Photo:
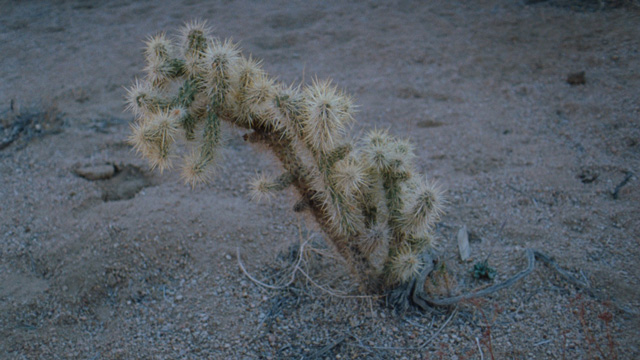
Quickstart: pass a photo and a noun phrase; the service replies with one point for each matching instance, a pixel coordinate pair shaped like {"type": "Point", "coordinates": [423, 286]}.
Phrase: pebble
{"type": "Point", "coordinates": [463, 243]}
{"type": "Point", "coordinates": [96, 172]}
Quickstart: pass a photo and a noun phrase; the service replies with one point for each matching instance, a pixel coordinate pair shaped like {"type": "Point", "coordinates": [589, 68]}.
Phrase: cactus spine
{"type": "Point", "coordinates": [376, 210]}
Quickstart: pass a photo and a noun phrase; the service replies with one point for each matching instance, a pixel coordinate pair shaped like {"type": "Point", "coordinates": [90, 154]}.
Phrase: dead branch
{"type": "Point", "coordinates": [425, 302]}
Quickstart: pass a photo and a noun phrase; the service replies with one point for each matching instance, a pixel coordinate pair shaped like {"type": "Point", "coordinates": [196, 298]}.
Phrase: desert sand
{"type": "Point", "coordinates": [102, 258]}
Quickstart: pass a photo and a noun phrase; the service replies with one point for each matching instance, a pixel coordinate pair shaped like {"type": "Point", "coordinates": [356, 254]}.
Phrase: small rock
{"type": "Point", "coordinates": [588, 175]}
{"type": "Point", "coordinates": [463, 243]}
{"type": "Point", "coordinates": [96, 172]}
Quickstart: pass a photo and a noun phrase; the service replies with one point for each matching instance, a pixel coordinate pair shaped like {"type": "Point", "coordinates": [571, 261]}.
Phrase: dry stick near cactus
{"type": "Point", "coordinates": [377, 211]}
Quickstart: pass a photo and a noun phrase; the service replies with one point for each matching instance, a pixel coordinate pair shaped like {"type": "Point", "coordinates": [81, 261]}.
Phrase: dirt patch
{"type": "Point", "coordinates": [127, 181]}
{"type": "Point", "coordinates": [117, 182]}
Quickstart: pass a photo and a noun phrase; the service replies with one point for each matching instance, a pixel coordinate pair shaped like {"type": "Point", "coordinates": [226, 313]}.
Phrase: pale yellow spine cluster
{"type": "Point", "coordinates": [368, 197]}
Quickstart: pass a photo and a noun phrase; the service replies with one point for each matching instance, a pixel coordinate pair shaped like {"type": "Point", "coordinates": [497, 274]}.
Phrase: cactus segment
{"type": "Point", "coordinates": [328, 112]}
{"type": "Point", "coordinates": [158, 47]}
{"type": "Point", "coordinates": [152, 137]}
{"type": "Point", "coordinates": [264, 187]}
{"type": "Point", "coordinates": [216, 66]}
{"type": "Point", "coordinates": [403, 265]}
{"type": "Point", "coordinates": [242, 79]}
{"type": "Point", "coordinates": [373, 238]}
{"type": "Point", "coordinates": [143, 99]}
{"type": "Point", "coordinates": [422, 208]}
{"type": "Point", "coordinates": [194, 38]}
{"type": "Point", "coordinates": [351, 177]}
{"type": "Point", "coordinates": [198, 165]}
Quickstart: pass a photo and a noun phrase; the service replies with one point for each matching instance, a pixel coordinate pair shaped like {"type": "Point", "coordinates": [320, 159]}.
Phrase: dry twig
{"type": "Point", "coordinates": [296, 268]}
{"type": "Point", "coordinates": [453, 313]}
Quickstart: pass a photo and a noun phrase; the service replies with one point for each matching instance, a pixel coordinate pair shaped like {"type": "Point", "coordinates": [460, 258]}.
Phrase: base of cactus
{"type": "Point", "coordinates": [411, 293]}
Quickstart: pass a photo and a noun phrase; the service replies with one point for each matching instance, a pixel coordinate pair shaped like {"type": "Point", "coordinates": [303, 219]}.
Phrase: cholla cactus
{"type": "Point", "coordinates": [376, 210]}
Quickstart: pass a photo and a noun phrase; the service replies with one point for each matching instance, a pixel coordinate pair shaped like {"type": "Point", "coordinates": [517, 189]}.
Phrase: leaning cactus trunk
{"type": "Point", "coordinates": [377, 211]}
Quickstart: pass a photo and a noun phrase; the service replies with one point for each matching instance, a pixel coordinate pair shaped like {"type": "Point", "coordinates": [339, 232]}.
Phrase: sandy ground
{"type": "Point", "coordinates": [141, 266]}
